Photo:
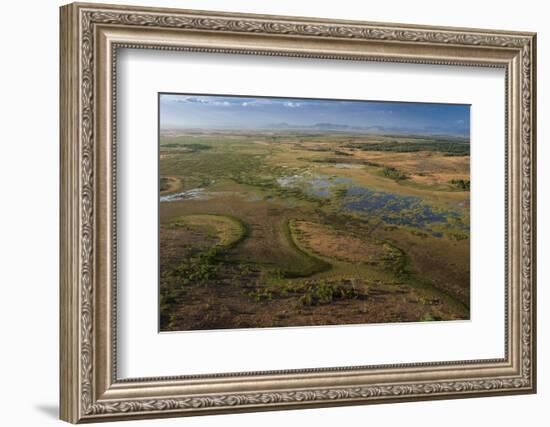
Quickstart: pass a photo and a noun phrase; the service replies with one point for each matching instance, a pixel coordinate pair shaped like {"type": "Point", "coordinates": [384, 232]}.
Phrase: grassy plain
{"type": "Point", "coordinates": [292, 229]}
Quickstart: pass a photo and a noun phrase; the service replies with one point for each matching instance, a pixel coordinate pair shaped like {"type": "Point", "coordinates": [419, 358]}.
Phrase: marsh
{"type": "Point", "coordinates": [291, 225]}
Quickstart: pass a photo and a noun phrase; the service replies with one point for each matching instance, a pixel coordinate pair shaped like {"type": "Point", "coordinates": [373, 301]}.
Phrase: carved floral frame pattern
{"type": "Point", "coordinates": [85, 407]}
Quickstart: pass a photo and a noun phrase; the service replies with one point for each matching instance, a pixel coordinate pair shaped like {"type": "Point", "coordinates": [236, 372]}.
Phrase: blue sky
{"type": "Point", "coordinates": [256, 113]}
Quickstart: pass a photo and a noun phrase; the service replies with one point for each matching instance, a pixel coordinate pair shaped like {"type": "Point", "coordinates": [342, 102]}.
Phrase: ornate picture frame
{"type": "Point", "coordinates": [90, 37]}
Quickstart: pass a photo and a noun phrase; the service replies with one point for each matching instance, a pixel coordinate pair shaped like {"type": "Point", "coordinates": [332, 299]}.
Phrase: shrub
{"type": "Point", "coordinates": [458, 236]}
{"type": "Point", "coordinates": [393, 173]}
{"type": "Point", "coordinates": [199, 268]}
{"type": "Point", "coordinates": [461, 184]}
{"type": "Point", "coordinates": [427, 317]}
{"type": "Point", "coordinates": [261, 294]}
{"type": "Point", "coordinates": [323, 293]}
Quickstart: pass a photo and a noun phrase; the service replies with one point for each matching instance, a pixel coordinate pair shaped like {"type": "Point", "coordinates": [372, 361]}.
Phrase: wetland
{"type": "Point", "coordinates": [269, 230]}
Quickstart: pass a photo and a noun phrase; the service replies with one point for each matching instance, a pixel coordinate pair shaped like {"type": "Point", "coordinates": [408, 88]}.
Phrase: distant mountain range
{"type": "Point", "coordinates": [336, 127]}
{"type": "Point", "coordinates": [369, 129]}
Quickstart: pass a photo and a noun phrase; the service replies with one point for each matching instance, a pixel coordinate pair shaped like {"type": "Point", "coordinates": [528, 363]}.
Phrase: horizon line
{"type": "Point", "coordinates": [316, 130]}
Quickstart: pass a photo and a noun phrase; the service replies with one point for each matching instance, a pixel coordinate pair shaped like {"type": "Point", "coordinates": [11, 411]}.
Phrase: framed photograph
{"type": "Point", "coordinates": [266, 212]}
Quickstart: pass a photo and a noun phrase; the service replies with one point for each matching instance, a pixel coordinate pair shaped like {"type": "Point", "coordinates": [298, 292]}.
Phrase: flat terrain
{"type": "Point", "coordinates": [293, 229]}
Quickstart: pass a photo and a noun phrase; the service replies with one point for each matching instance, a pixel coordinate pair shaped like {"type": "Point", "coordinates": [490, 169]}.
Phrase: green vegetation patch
{"type": "Point", "coordinates": [324, 292]}
{"type": "Point", "coordinates": [228, 230]}
{"type": "Point", "coordinates": [448, 147]}
{"type": "Point", "coordinates": [461, 184]}
{"type": "Point", "coordinates": [197, 269]}
{"type": "Point", "coordinates": [393, 173]}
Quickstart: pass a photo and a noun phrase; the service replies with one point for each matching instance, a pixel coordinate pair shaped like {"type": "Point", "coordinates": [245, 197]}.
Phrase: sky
{"type": "Point", "coordinates": [209, 112]}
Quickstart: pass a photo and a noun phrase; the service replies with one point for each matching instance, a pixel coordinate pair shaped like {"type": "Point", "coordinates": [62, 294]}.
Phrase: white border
{"type": "Point", "coordinates": [143, 352]}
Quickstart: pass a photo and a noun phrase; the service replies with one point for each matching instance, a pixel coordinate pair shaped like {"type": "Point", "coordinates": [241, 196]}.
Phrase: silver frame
{"type": "Point", "coordinates": [90, 37]}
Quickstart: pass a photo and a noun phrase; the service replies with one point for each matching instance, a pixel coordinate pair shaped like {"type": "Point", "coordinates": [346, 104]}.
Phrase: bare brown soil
{"type": "Point", "coordinates": [334, 244]}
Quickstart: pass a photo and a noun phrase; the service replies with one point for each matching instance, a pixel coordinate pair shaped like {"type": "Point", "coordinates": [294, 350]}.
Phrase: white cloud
{"type": "Point", "coordinates": [220, 103]}
{"type": "Point", "coordinates": [191, 99]}
{"type": "Point", "coordinates": [226, 101]}
{"type": "Point", "coordinates": [291, 104]}
{"type": "Point", "coordinates": [257, 102]}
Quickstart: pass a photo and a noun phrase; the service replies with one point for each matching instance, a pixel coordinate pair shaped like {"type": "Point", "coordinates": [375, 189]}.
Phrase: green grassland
{"type": "Point", "coordinates": [291, 229]}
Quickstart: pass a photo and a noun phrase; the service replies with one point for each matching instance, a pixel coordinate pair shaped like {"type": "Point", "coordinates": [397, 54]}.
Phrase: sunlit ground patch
{"type": "Point", "coordinates": [333, 244]}
{"type": "Point", "coordinates": [227, 230]}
